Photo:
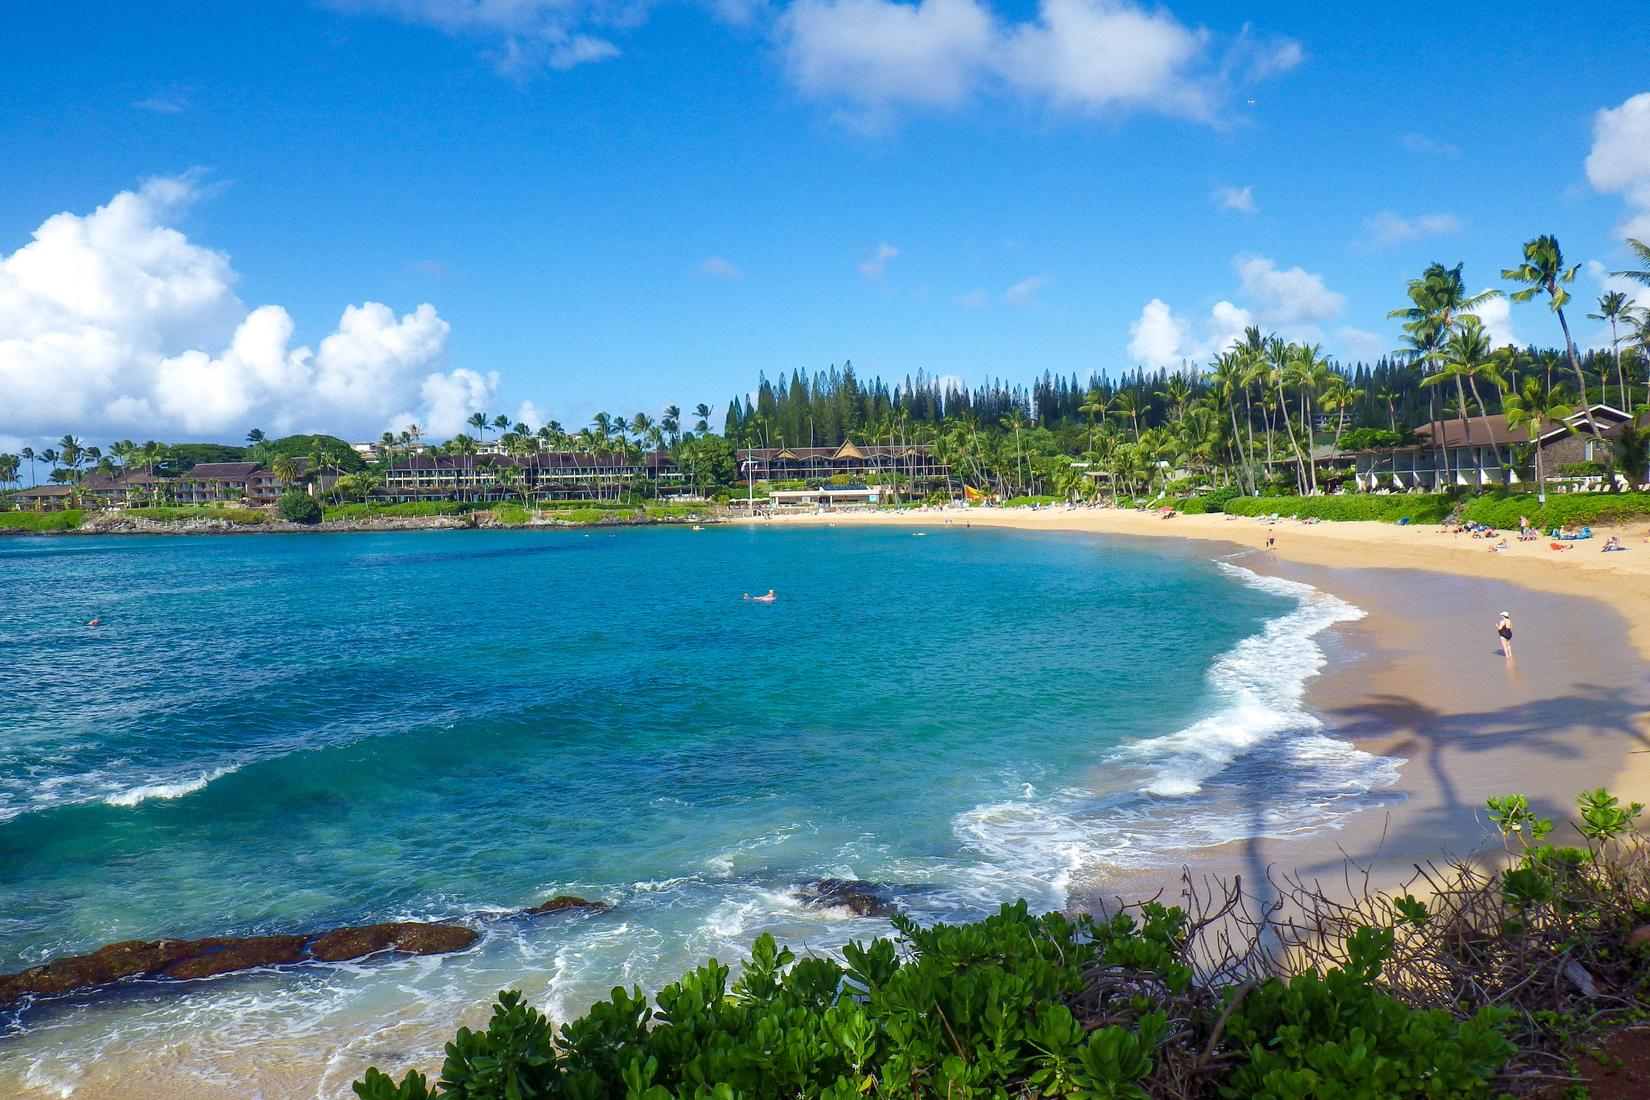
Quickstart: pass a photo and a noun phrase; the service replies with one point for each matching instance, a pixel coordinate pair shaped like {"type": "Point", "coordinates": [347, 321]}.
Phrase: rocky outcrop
{"type": "Point", "coordinates": [862, 899]}
{"type": "Point", "coordinates": [187, 960]}
{"type": "Point", "coordinates": [563, 902]}
{"type": "Point", "coordinates": [405, 938]}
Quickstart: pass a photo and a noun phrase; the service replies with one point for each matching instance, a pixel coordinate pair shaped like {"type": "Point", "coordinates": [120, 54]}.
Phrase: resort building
{"type": "Point", "coordinates": [914, 464]}
{"type": "Point", "coordinates": [1485, 452]}
{"type": "Point", "coordinates": [550, 475]}
{"type": "Point", "coordinates": [245, 484]}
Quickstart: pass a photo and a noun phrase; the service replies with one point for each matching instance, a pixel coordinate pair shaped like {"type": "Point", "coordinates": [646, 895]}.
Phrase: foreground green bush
{"type": "Point", "coordinates": [295, 506]}
{"type": "Point", "coordinates": [977, 1010]}
{"type": "Point", "coordinates": [66, 520]}
{"type": "Point", "coordinates": [510, 515]}
{"type": "Point", "coordinates": [1417, 508]}
{"type": "Point", "coordinates": [1576, 509]}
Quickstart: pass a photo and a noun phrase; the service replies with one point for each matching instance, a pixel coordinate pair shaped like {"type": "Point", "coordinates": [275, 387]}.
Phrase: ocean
{"type": "Point", "coordinates": [288, 734]}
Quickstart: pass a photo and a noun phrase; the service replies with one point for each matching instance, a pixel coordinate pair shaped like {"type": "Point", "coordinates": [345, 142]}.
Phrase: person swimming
{"type": "Point", "coordinates": [769, 598]}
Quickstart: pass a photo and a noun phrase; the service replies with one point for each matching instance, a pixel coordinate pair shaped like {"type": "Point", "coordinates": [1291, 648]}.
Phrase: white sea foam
{"type": "Point", "coordinates": [176, 789]}
{"type": "Point", "coordinates": [1259, 764]}
{"type": "Point", "coordinates": [1259, 682]}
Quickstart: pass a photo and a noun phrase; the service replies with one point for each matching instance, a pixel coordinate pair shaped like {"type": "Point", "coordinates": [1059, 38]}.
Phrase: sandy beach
{"type": "Point", "coordinates": [1422, 678]}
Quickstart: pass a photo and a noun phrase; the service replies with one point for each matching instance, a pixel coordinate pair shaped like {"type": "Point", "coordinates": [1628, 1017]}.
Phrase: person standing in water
{"type": "Point", "coordinates": [1503, 630]}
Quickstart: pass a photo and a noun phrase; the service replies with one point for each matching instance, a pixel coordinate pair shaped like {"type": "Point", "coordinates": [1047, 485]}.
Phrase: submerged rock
{"type": "Point", "coordinates": [863, 899]}
{"type": "Point", "coordinates": [188, 960]}
{"type": "Point", "coordinates": [405, 937]}
{"type": "Point", "coordinates": [227, 955]}
{"type": "Point", "coordinates": [562, 902]}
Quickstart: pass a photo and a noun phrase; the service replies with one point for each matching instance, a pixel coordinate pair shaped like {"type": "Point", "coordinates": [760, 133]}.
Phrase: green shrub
{"type": "Point", "coordinates": [1337, 1034]}
{"type": "Point", "coordinates": [36, 522]}
{"type": "Point", "coordinates": [1575, 509]}
{"type": "Point", "coordinates": [1371, 439]}
{"type": "Point", "coordinates": [1208, 502]}
{"type": "Point", "coordinates": [1027, 501]}
{"type": "Point", "coordinates": [1581, 469]}
{"type": "Point", "coordinates": [995, 1008]}
{"type": "Point", "coordinates": [1429, 508]}
{"type": "Point", "coordinates": [510, 515]}
{"type": "Point", "coordinates": [296, 506]}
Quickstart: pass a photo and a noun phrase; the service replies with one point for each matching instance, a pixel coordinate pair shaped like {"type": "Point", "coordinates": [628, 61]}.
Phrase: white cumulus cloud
{"type": "Point", "coordinates": [875, 265]}
{"type": "Point", "coordinates": [1241, 199]}
{"type": "Point", "coordinates": [876, 56]}
{"type": "Point", "coordinates": [1386, 228]}
{"type": "Point", "coordinates": [715, 267]}
{"type": "Point", "coordinates": [1159, 339]}
{"type": "Point", "coordinates": [521, 35]}
{"type": "Point", "coordinates": [1286, 299]}
{"type": "Point", "coordinates": [1496, 314]}
{"type": "Point", "coordinates": [115, 323]}
{"type": "Point", "coordinates": [1619, 162]}
{"type": "Point", "coordinates": [1024, 292]}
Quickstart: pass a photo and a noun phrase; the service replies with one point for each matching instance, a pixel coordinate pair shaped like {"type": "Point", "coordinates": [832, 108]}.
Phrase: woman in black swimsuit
{"type": "Point", "coordinates": [1503, 628]}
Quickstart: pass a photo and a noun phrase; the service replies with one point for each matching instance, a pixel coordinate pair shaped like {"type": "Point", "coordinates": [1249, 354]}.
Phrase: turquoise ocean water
{"type": "Point", "coordinates": [293, 733]}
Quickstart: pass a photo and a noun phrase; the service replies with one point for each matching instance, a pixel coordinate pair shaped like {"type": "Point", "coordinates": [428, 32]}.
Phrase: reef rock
{"type": "Point", "coordinates": [862, 899]}
{"type": "Point", "coordinates": [404, 937]}
{"type": "Point", "coordinates": [563, 902]}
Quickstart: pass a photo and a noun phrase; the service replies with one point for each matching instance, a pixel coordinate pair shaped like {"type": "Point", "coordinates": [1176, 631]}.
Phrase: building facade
{"type": "Point", "coordinates": [550, 475]}
{"type": "Point", "coordinates": [913, 464]}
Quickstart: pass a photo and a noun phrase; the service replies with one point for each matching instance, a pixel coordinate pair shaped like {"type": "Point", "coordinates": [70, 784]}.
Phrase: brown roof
{"type": "Point", "coordinates": [44, 492]}
{"type": "Point", "coordinates": [847, 450]}
{"type": "Point", "coordinates": [541, 460]}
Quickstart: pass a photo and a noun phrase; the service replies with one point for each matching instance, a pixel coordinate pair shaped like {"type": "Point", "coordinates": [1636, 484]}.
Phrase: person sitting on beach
{"type": "Point", "coordinates": [1498, 547]}
{"type": "Point", "coordinates": [1614, 543]}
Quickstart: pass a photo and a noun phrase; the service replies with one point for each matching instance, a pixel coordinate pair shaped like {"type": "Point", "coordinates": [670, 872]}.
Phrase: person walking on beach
{"type": "Point", "coordinates": [1503, 629]}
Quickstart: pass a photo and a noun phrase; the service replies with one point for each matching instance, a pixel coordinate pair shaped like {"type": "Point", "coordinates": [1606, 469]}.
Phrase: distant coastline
{"type": "Point", "coordinates": [123, 523]}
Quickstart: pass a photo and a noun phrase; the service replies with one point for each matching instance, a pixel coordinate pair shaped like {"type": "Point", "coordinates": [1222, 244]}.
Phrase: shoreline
{"type": "Point", "coordinates": [1427, 685]}
{"type": "Point", "coordinates": [380, 525]}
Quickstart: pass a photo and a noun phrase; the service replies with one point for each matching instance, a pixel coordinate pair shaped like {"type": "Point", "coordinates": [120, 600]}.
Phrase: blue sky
{"type": "Point", "coordinates": [614, 204]}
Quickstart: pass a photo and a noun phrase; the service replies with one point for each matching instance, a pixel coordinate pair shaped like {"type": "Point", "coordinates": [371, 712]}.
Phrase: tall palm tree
{"type": "Point", "coordinates": [8, 469]}
{"type": "Point", "coordinates": [1543, 271]}
{"type": "Point", "coordinates": [1438, 301]}
{"type": "Point", "coordinates": [701, 415]}
{"type": "Point", "coordinates": [1094, 404]}
{"type": "Point", "coordinates": [1642, 251]}
{"type": "Point", "coordinates": [1125, 404]}
{"type": "Point", "coordinates": [1613, 306]}
{"type": "Point", "coordinates": [1532, 408]}
{"type": "Point", "coordinates": [27, 455]}
{"type": "Point", "coordinates": [1388, 396]}
{"type": "Point", "coordinates": [255, 437]}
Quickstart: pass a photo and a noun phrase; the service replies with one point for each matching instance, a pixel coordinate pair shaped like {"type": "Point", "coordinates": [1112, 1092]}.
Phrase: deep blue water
{"type": "Point", "coordinates": [292, 733]}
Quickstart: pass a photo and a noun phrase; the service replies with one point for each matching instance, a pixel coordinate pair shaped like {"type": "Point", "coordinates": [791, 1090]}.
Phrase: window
{"type": "Point", "coordinates": [1587, 451]}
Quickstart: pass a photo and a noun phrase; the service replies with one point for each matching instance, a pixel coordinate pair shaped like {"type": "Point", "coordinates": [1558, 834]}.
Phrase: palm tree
{"type": "Point", "coordinates": [27, 455]}
{"type": "Point", "coordinates": [1125, 404]}
{"type": "Point", "coordinates": [1630, 453]}
{"type": "Point", "coordinates": [1642, 251]}
{"type": "Point", "coordinates": [1388, 396]}
{"type": "Point", "coordinates": [285, 469]}
{"type": "Point", "coordinates": [8, 469]}
{"type": "Point", "coordinates": [1543, 271]}
{"type": "Point", "coordinates": [1532, 408]}
{"type": "Point", "coordinates": [701, 418]}
{"type": "Point", "coordinates": [255, 436]}
{"type": "Point", "coordinates": [479, 422]}
{"type": "Point", "coordinates": [500, 422]}
{"type": "Point", "coordinates": [1094, 404]}
{"type": "Point", "coordinates": [1613, 306]}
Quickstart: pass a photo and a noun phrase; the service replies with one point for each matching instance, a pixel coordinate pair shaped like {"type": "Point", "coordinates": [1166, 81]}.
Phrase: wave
{"type": "Point", "coordinates": [135, 795]}
{"type": "Point", "coordinates": [1257, 765]}
{"type": "Point", "coordinates": [1261, 682]}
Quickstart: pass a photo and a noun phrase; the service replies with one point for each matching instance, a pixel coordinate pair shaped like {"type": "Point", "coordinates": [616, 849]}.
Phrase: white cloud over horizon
{"type": "Point", "coordinates": [1619, 161]}
{"type": "Point", "coordinates": [715, 267]}
{"type": "Point", "coordinates": [1292, 301]}
{"type": "Point", "coordinates": [114, 323]}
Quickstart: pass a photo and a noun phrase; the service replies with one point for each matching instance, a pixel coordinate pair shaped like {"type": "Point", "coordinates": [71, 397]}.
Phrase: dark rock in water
{"type": "Point", "coordinates": [564, 902]}
{"type": "Point", "coordinates": [186, 960]}
{"type": "Point", "coordinates": [225, 956]}
{"type": "Point", "coordinates": [126, 959]}
{"type": "Point", "coordinates": [405, 937]}
{"type": "Point", "coordinates": [863, 899]}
